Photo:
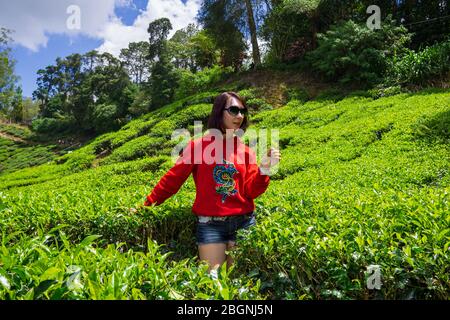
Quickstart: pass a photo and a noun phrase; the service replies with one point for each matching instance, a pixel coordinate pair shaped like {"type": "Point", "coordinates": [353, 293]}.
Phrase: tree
{"type": "Point", "coordinates": [46, 89]}
{"type": "Point", "coordinates": [30, 110]}
{"type": "Point", "coordinates": [222, 21]}
{"type": "Point", "coordinates": [16, 109]}
{"type": "Point", "coordinates": [427, 20]}
{"type": "Point", "coordinates": [141, 100]}
{"type": "Point", "coordinates": [192, 49]}
{"type": "Point", "coordinates": [73, 87]}
{"type": "Point", "coordinates": [8, 79]}
{"type": "Point", "coordinates": [106, 85]}
{"type": "Point", "coordinates": [204, 50]}
{"type": "Point", "coordinates": [136, 61]}
{"type": "Point", "coordinates": [163, 79]}
{"type": "Point", "coordinates": [252, 27]}
{"type": "Point", "coordinates": [291, 29]}
{"type": "Point", "coordinates": [158, 31]}
{"type": "Point", "coordinates": [181, 50]}
{"type": "Point", "coordinates": [163, 82]}
{"type": "Point", "coordinates": [224, 18]}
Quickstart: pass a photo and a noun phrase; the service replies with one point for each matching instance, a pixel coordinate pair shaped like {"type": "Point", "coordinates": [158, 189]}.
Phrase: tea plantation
{"type": "Point", "coordinates": [364, 181]}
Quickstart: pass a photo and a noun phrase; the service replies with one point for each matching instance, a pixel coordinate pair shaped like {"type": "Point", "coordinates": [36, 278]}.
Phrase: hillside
{"type": "Point", "coordinates": [364, 181]}
{"type": "Point", "coordinates": [22, 148]}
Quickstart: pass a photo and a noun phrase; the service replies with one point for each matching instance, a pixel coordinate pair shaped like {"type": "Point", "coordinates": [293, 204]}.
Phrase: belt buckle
{"type": "Point", "coordinates": [206, 219]}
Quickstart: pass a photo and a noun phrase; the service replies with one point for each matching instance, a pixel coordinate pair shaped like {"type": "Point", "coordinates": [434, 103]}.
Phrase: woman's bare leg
{"type": "Point", "coordinates": [213, 253]}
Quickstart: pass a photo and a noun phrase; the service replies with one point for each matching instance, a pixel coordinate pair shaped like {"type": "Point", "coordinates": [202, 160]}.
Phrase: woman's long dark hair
{"type": "Point", "coordinates": [215, 120]}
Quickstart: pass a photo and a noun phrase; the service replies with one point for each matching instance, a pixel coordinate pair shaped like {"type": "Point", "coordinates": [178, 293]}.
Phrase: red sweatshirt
{"type": "Point", "coordinates": [223, 188]}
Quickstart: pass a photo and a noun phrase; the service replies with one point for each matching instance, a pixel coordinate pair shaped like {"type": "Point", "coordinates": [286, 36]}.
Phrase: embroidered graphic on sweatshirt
{"type": "Point", "coordinates": [223, 175]}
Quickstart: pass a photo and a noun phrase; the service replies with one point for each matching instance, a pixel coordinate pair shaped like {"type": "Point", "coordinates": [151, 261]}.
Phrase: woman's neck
{"type": "Point", "coordinates": [228, 134]}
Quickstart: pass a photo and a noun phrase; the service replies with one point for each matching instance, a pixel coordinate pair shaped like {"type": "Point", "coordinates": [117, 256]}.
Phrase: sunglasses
{"type": "Point", "coordinates": [235, 110]}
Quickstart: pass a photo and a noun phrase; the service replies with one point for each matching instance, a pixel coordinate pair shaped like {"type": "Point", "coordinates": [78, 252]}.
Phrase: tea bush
{"type": "Point", "coordinates": [364, 181]}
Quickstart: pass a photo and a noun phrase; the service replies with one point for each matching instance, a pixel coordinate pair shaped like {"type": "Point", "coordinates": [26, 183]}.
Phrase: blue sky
{"type": "Point", "coordinates": [29, 62]}
{"type": "Point", "coordinates": [109, 26]}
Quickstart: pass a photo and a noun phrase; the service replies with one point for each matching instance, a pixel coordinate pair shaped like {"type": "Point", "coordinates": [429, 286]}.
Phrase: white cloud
{"type": "Point", "coordinates": [34, 21]}
{"type": "Point", "coordinates": [116, 35]}
{"type": "Point", "coordinates": [124, 3]}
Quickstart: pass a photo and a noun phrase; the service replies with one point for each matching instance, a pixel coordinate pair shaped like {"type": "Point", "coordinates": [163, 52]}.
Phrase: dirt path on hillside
{"type": "Point", "coordinates": [13, 138]}
{"type": "Point", "coordinates": [273, 84]}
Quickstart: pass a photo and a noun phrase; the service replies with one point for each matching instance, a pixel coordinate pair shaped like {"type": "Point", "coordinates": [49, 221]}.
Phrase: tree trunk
{"type": "Point", "coordinates": [252, 27]}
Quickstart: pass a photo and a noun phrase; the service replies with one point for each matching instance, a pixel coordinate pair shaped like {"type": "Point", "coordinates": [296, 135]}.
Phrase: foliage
{"type": "Point", "coordinates": [203, 50]}
{"type": "Point", "coordinates": [8, 80]}
{"type": "Point", "coordinates": [16, 156]}
{"type": "Point", "coordinates": [419, 68]}
{"type": "Point", "coordinates": [426, 20]}
{"type": "Point", "coordinates": [221, 20]}
{"type": "Point", "coordinates": [158, 31]}
{"type": "Point", "coordinates": [104, 116]}
{"type": "Point", "coordinates": [163, 79]}
{"type": "Point", "coordinates": [136, 61]}
{"type": "Point", "coordinates": [258, 104]}
{"type": "Point", "coordinates": [75, 85]}
{"type": "Point", "coordinates": [16, 130]}
{"type": "Point", "coordinates": [191, 83]}
{"type": "Point", "coordinates": [290, 29]}
{"type": "Point", "coordinates": [350, 52]}
{"type": "Point", "coordinates": [163, 82]}
{"type": "Point", "coordinates": [141, 102]}
{"type": "Point", "coordinates": [291, 26]}
{"type": "Point", "coordinates": [30, 110]}
{"type": "Point", "coordinates": [181, 50]}
{"type": "Point", "coordinates": [364, 178]}
{"type": "Point", "coordinates": [51, 125]}
{"type": "Point", "coordinates": [299, 94]}
{"type": "Point", "coordinates": [51, 267]}
{"type": "Point", "coordinates": [144, 146]}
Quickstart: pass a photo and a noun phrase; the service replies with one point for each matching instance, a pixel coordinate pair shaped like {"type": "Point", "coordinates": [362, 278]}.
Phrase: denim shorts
{"type": "Point", "coordinates": [223, 231]}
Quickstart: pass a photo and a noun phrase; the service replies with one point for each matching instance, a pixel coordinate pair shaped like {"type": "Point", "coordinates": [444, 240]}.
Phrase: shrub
{"type": "Point", "coordinates": [104, 117]}
{"type": "Point", "coordinates": [420, 67]}
{"type": "Point", "coordinates": [258, 104]}
{"type": "Point", "coordinates": [381, 92]}
{"type": "Point", "coordinates": [141, 104]}
{"type": "Point", "coordinates": [191, 83]}
{"type": "Point", "coordinates": [350, 52]}
{"type": "Point", "coordinates": [297, 94]}
{"type": "Point", "coordinates": [51, 125]}
{"type": "Point", "coordinates": [247, 94]}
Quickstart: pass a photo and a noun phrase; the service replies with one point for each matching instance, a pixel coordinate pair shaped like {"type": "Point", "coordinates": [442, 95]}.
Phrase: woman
{"type": "Point", "coordinates": [227, 179]}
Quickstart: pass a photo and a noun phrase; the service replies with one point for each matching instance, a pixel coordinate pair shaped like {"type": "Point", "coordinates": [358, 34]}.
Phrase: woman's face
{"type": "Point", "coordinates": [230, 121]}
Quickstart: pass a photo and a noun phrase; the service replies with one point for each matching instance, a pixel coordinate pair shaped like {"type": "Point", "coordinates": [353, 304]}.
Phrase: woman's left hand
{"type": "Point", "coordinates": [273, 158]}
{"type": "Point", "coordinates": [137, 208]}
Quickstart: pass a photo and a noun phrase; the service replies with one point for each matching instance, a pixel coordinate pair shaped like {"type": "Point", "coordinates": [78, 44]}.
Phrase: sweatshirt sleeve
{"type": "Point", "coordinates": [256, 182]}
{"type": "Point", "coordinates": [172, 181]}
